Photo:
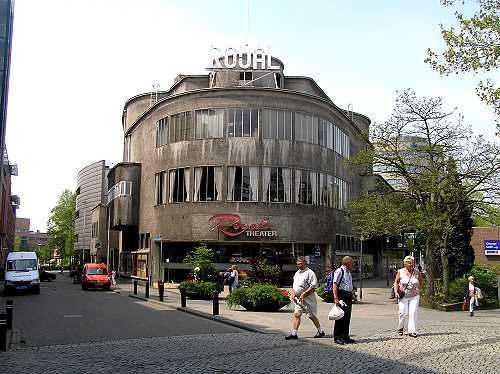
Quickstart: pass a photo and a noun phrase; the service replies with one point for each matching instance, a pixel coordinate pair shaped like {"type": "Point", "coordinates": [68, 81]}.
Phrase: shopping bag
{"type": "Point", "coordinates": [335, 313]}
{"type": "Point", "coordinates": [465, 305]}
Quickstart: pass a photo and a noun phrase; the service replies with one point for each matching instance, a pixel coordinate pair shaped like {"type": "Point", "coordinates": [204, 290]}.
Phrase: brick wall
{"type": "Point", "coordinates": [477, 241]}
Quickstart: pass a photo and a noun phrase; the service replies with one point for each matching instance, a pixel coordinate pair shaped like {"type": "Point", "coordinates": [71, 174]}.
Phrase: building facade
{"type": "Point", "coordinates": [91, 191]}
{"type": "Point", "coordinates": [8, 202]}
{"type": "Point", "coordinates": [8, 206]}
{"type": "Point", "coordinates": [246, 160]}
{"type": "Point", "coordinates": [486, 244]}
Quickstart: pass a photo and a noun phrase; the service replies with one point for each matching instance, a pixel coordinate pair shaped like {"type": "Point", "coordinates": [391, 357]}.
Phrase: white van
{"type": "Point", "coordinates": [21, 272]}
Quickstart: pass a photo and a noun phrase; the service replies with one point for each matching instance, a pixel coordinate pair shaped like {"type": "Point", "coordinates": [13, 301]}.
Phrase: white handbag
{"type": "Point", "coordinates": [335, 313]}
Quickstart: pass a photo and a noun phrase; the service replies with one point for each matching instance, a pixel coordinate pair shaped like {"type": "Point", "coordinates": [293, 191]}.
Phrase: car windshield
{"type": "Point", "coordinates": [22, 264]}
{"type": "Point", "coordinates": [96, 271]}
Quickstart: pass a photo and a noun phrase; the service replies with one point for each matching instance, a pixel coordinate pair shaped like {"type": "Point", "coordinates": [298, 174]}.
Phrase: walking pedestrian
{"type": "Point", "coordinates": [470, 295]}
{"type": "Point", "coordinates": [304, 296]}
{"type": "Point", "coordinates": [234, 278]}
{"type": "Point", "coordinates": [113, 278]}
{"type": "Point", "coordinates": [407, 289]}
{"type": "Point", "coordinates": [342, 296]}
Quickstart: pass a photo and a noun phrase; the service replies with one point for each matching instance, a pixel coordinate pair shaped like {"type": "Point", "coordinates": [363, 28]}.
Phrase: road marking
{"type": "Point", "coordinates": [73, 316]}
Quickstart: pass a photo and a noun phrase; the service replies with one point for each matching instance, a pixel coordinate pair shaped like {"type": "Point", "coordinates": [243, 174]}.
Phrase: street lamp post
{"type": "Point", "coordinates": [361, 270]}
{"type": "Point", "coordinates": [108, 226]}
{"type": "Point", "coordinates": [387, 261]}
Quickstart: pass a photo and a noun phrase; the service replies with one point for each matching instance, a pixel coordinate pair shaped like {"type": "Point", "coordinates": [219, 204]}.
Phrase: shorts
{"type": "Point", "coordinates": [309, 307]}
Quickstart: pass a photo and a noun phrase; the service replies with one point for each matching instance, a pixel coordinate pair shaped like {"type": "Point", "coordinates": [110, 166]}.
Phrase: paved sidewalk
{"type": "Point", "coordinates": [375, 314]}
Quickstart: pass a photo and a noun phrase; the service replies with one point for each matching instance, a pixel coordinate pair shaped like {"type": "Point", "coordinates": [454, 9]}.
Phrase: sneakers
{"type": "Point", "coordinates": [472, 314]}
{"type": "Point", "coordinates": [400, 332]}
{"type": "Point", "coordinates": [319, 334]}
{"type": "Point", "coordinates": [293, 337]}
{"type": "Point", "coordinates": [412, 334]}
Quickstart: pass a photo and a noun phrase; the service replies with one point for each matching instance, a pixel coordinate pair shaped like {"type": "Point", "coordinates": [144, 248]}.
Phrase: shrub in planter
{"type": "Point", "coordinates": [198, 290]}
{"type": "Point", "coordinates": [259, 298]}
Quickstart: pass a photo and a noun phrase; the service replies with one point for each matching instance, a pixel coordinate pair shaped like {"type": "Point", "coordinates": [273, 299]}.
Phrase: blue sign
{"type": "Point", "coordinates": [492, 247]}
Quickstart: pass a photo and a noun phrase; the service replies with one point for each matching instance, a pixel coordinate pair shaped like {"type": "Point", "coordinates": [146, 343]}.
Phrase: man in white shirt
{"type": "Point", "coordinates": [342, 291]}
{"type": "Point", "coordinates": [304, 296]}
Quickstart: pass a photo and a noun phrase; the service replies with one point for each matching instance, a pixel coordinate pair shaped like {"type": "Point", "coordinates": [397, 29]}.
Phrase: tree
{"type": "Point", "coordinates": [201, 260]}
{"type": "Point", "coordinates": [474, 46]}
{"type": "Point", "coordinates": [445, 171]}
{"type": "Point", "coordinates": [61, 225]}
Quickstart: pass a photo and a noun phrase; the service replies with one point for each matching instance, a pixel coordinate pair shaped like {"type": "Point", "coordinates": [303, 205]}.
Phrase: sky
{"type": "Point", "coordinates": [75, 63]}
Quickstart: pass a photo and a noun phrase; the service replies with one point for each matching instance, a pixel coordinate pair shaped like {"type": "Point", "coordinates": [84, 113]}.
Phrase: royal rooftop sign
{"type": "Point", "coordinates": [231, 226]}
{"type": "Point", "coordinates": [243, 58]}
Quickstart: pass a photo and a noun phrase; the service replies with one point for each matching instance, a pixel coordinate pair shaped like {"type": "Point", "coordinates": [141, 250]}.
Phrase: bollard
{"type": "Point", "coordinates": [3, 332]}
{"type": "Point", "coordinates": [9, 308]}
{"type": "Point", "coordinates": [161, 289]}
{"type": "Point", "coordinates": [183, 299]}
{"type": "Point", "coordinates": [146, 293]}
{"type": "Point", "coordinates": [215, 310]}
{"type": "Point", "coordinates": [135, 287]}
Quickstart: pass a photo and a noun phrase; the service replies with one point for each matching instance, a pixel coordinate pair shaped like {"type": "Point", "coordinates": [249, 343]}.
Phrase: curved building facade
{"type": "Point", "coordinates": [246, 160]}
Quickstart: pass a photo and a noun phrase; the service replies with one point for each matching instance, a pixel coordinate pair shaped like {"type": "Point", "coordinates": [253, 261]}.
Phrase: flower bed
{"type": "Point", "coordinates": [259, 298]}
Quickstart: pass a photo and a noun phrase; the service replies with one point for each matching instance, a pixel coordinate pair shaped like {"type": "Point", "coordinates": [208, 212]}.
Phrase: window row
{"type": "Point", "coordinates": [278, 185]}
{"type": "Point", "coordinates": [246, 122]}
{"type": "Point", "coordinates": [122, 188]}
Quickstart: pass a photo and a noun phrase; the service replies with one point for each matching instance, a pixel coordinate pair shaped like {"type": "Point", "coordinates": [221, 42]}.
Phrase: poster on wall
{"type": "Point", "coordinates": [492, 247]}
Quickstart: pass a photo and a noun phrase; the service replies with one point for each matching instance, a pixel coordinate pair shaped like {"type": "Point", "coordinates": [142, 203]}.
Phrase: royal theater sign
{"type": "Point", "coordinates": [231, 226]}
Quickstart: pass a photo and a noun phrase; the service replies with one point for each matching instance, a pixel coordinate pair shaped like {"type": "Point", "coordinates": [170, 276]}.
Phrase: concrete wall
{"type": "Point", "coordinates": [189, 221]}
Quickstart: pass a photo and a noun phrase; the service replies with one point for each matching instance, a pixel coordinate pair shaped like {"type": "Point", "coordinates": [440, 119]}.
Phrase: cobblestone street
{"type": "Point", "coordinates": [440, 349]}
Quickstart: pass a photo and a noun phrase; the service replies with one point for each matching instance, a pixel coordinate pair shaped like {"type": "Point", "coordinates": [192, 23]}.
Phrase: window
{"type": "Point", "coordinates": [242, 183]}
{"type": "Point", "coordinates": [178, 185]}
{"type": "Point", "coordinates": [306, 128]}
{"type": "Point", "coordinates": [209, 123]}
{"type": "Point", "coordinates": [95, 229]}
{"type": "Point", "coordinates": [174, 128]}
{"type": "Point", "coordinates": [127, 152]}
{"type": "Point", "coordinates": [160, 188]}
{"type": "Point", "coordinates": [241, 122]}
{"type": "Point", "coordinates": [276, 184]}
{"type": "Point", "coordinates": [122, 188]}
{"type": "Point", "coordinates": [306, 187]}
{"type": "Point", "coordinates": [208, 183]}
{"type": "Point", "coordinates": [246, 76]}
{"type": "Point", "coordinates": [277, 124]}
{"type": "Point", "coordinates": [161, 133]}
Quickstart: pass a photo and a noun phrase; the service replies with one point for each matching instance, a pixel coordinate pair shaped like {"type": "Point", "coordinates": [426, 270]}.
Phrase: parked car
{"type": "Point", "coordinates": [21, 272]}
{"type": "Point", "coordinates": [46, 276]}
{"type": "Point", "coordinates": [95, 276]}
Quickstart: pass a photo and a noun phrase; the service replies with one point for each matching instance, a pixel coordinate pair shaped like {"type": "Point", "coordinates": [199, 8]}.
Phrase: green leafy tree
{"type": "Point", "coordinates": [444, 172]}
{"type": "Point", "coordinates": [472, 47]}
{"type": "Point", "coordinates": [61, 225]}
{"type": "Point", "coordinates": [201, 260]}
{"type": "Point", "coordinates": [44, 253]}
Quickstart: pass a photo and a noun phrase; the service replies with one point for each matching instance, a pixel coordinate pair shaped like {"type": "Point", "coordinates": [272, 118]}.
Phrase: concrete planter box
{"type": "Point", "coordinates": [453, 307]}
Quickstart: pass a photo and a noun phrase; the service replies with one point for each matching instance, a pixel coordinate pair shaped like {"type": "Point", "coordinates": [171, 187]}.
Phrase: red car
{"type": "Point", "coordinates": [96, 276]}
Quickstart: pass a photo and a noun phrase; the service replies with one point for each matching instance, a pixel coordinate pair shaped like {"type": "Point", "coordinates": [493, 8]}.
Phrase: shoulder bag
{"type": "Point", "coordinates": [402, 293]}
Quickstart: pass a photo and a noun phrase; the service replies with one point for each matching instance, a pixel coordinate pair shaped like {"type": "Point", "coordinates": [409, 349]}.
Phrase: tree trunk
{"type": "Point", "coordinates": [429, 260]}
{"type": "Point", "coordinates": [446, 271]}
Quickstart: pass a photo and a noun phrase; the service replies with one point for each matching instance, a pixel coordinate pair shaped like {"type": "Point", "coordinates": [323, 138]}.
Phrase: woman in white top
{"type": "Point", "coordinates": [407, 289]}
{"type": "Point", "coordinates": [470, 295]}
{"type": "Point", "coordinates": [234, 276]}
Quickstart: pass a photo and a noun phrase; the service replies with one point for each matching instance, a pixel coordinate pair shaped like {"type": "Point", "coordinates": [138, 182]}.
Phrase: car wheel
{"type": "Point", "coordinates": [36, 290]}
